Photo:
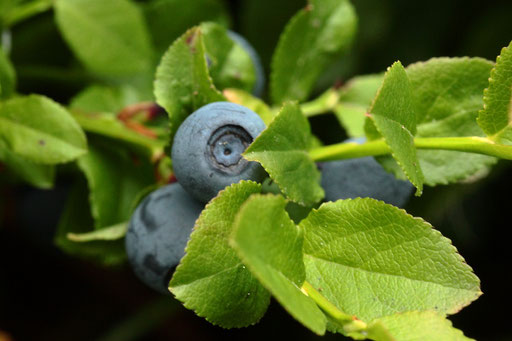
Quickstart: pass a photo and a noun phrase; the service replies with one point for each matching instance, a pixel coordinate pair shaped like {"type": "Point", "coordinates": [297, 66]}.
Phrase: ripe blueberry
{"type": "Point", "coordinates": [257, 90]}
{"type": "Point", "coordinates": [158, 233]}
{"type": "Point", "coordinates": [363, 177]}
{"type": "Point", "coordinates": [206, 152]}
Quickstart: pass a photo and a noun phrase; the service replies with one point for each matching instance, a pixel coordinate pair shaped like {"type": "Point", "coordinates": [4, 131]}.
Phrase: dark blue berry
{"type": "Point", "coordinates": [206, 152]}
{"type": "Point", "coordinates": [158, 233]}
{"type": "Point", "coordinates": [363, 177]}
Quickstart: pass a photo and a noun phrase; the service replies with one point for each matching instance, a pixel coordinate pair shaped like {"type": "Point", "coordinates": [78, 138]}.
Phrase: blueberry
{"type": "Point", "coordinates": [363, 177]}
{"type": "Point", "coordinates": [258, 68]}
{"type": "Point", "coordinates": [158, 233]}
{"type": "Point", "coordinates": [206, 153]}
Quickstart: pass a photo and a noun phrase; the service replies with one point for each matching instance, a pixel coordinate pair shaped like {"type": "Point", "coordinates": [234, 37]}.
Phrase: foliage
{"type": "Point", "coordinates": [358, 267]}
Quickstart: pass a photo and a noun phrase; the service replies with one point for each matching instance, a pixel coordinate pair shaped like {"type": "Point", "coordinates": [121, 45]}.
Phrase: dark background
{"type": "Point", "coordinates": [47, 295]}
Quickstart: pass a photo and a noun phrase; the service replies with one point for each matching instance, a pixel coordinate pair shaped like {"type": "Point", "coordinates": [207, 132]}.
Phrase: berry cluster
{"type": "Point", "coordinates": [206, 156]}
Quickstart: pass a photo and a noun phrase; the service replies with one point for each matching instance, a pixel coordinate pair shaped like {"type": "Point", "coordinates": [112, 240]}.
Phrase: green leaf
{"type": "Point", "coordinates": [211, 279]}
{"type": "Point", "coordinates": [114, 180]}
{"type": "Point", "coordinates": [392, 117]}
{"type": "Point", "coordinates": [108, 233]}
{"type": "Point", "coordinates": [102, 98]}
{"type": "Point", "coordinates": [249, 101]}
{"type": "Point", "coordinates": [76, 219]}
{"type": "Point", "coordinates": [282, 150]}
{"type": "Point", "coordinates": [182, 83]}
{"type": "Point", "coordinates": [270, 244]}
{"type": "Point", "coordinates": [311, 41]}
{"type": "Point", "coordinates": [40, 130]}
{"type": "Point", "coordinates": [184, 14]}
{"type": "Point", "coordinates": [496, 117]}
{"type": "Point", "coordinates": [41, 176]}
{"type": "Point", "coordinates": [354, 102]}
{"type": "Point", "coordinates": [7, 76]}
{"type": "Point", "coordinates": [372, 259]}
{"type": "Point", "coordinates": [361, 89]}
{"type": "Point", "coordinates": [230, 65]}
{"type": "Point", "coordinates": [413, 326]}
{"type": "Point", "coordinates": [352, 118]}
{"type": "Point", "coordinates": [108, 125]}
{"type": "Point", "coordinates": [447, 95]}
{"type": "Point", "coordinates": [109, 37]}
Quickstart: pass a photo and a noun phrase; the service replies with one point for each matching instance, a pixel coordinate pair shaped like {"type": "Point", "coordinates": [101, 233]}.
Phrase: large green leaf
{"type": "Point", "coordinates": [182, 83]}
{"type": "Point", "coordinates": [372, 259]}
{"type": "Point", "coordinates": [76, 219]}
{"type": "Point", "coordinates": [184, 14]}
{"type": "Point", "coordinates": [7, 76]}
{"type": "Point", "coordinates": [41, 176]}
{"type": "Point", "coordinates": [496, 117]}
{"type": "Point", "coordinates": [354, 102]}
{"type": "Point", "coordinates": [229, 64]}
{"type": "Point", "coordinates": [312, 40]}
{"type": "Point", "coordinates": [40, 130]}
{"type": "Point", "coordinates": [109, 37]}
{"type": "Point", "coordinates": [413, 326]}
{"type": "Point", "coordinates": [282, 150]}
{"type": "Point", "coordinates": [114, 180]}
{"type": "Point", "coordinates": [211, 279]}
{"type": "Point", "coordinates": [270, 244]}
{"type": "Point", "coordinates": [447, 94]}
{"type": "Point", "coordinates": [392, 117]}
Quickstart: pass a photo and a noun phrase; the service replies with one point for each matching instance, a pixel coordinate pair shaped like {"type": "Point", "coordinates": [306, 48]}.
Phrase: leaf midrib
{"type": "Point", "coordinates": [384, 273]}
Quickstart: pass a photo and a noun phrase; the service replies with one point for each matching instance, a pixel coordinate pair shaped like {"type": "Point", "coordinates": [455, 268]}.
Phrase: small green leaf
{"type": "Point", "coordinates": [354, 102]}
{"type": "Point", "coordinates": [184, 14]}
{"type": "Point", "coordinates": [7, 76]}
{"type": "Point", "coordinates": [447, 94]}
{"type": "Point", "coordinates": [372, 259]}
{"type": "Point", "coordinates": [41, 176]}
{"type": "Point", "coordinates": [230, 65]}
{"type": "Point", "coordinates": [413, 326]}
{"type": "Point", "coordinates": [270, 244]}
{"type": "Point", "coordinates": [102, 98]}
{"type": "Point", "coordinates": [392, 117]}
{"type": "Point", "coordinates": [352, 118]}
{"type": "Point", "coordinates": [182, 83]}
{"type": "Point", "coordinates": [496, 117]}
{"type": "Point", "coordinates": [114, 180]}
{"type": "Point", "coordinates": [282, 151]}
{"type": "Point", "coordinates": [107, 233]}
{"type": "Point", "coordinates": [40, 130]}
{"type": "Point", "coordinates": [311, 41]}
{"type": "Point", "coordinates": [76, 219]}
{"type": "Point", "coordinates": [361, 89]}
{"type": "Point", "coordinates": [211, 279]}
{"type": "Point", "coordinates": [249, 101]}
{"type": "Point", "coordinates": [109, 37]}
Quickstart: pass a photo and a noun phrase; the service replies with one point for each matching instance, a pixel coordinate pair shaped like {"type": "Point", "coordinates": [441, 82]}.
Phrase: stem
{"type": "Point", "coordinates": [350, 323]}
{"type": "Point", "coordinates": [471, 144]}
{"type": "Point", "coordinates": [109, 126]}
{"type": "Point", "coordinates": [322, 104]}
{"type": "Point", "coordinates": [26, 11]}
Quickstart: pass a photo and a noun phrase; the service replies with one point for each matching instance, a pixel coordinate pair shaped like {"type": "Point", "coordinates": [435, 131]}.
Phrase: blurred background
{"type": "Point", "coordinates": [48, 295]}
